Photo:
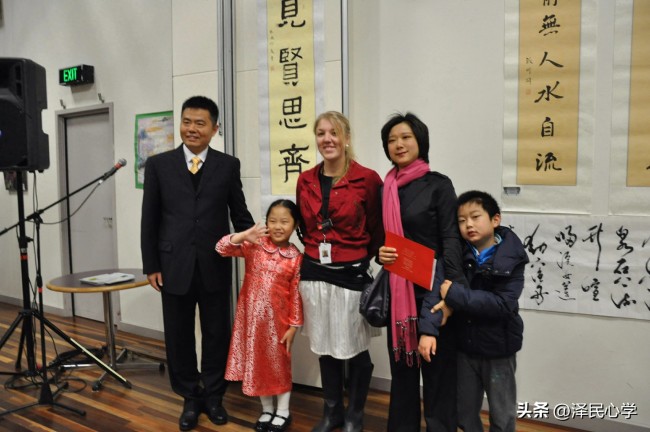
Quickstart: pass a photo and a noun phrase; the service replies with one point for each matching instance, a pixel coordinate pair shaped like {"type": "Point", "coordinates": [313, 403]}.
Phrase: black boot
{"type": "Point", "coordinates": [331, 373]}
{"type": "Point", "coordinates": [360, 376]}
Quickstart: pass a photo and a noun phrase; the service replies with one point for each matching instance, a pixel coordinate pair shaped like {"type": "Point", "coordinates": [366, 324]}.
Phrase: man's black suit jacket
{"type": "Point", "coordinates": [181, 225]}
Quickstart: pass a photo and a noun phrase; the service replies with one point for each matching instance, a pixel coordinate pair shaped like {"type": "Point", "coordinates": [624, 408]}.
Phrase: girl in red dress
{"type": "Point", "coordinates": [269, 311]}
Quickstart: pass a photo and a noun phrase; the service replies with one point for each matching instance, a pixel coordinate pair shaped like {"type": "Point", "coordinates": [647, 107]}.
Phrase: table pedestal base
{"type": "Point", "coordinates": [121, 364]}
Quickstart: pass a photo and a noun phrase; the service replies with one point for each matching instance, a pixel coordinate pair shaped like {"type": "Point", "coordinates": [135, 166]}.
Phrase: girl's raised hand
{"type": "Point", "coordinates": [252, 234]}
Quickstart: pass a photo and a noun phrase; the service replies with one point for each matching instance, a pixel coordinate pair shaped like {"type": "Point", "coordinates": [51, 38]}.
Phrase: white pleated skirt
{"type": "Point", "coordinates": [332, 320]}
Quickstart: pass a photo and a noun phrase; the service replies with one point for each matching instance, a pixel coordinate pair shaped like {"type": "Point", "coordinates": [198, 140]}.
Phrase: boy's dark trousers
{"type": "Point", "coordinates": [497, 378]}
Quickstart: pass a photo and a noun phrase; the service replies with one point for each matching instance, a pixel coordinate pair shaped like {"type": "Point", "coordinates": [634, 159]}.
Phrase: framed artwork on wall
{"type": "Point", "coordinates": [154, 133]}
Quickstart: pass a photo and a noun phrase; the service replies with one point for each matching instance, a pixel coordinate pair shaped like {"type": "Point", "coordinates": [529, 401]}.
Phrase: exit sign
{"type": "Point", "coordinates": [76, 75]}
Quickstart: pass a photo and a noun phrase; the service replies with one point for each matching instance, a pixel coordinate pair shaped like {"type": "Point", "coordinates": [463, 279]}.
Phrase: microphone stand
{"type": "Point", "coordinates": [28, 313]}
{"type": "Point", "coordinates": [36, 216]}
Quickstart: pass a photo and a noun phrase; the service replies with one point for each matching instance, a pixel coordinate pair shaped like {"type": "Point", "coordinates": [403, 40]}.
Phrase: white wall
{"type": "Point", "coordinates": [130, 45]}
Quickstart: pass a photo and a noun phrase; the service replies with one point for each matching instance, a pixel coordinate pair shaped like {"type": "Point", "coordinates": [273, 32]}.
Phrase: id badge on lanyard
{"type": "Point", "coordinates": [325, 249]}
{"type": "Point", "coordinates": [325, 252]}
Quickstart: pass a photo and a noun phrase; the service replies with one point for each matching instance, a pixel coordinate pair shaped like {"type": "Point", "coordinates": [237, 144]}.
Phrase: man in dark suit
{"type": "Point", "coordinates": [188, 193]}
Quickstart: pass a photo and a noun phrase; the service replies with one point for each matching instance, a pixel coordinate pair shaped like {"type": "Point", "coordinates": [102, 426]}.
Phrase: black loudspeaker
{"type": "Point", "coordinates": [23, 145]}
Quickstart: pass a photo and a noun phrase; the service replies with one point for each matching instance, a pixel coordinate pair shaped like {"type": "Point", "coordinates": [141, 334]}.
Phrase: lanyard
{"type": "Point", "coordinates": [326, 189]}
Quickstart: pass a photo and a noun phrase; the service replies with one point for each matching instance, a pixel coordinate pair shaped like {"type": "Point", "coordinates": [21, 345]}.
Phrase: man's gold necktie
{"type": "Point", "coordinates": [195, 165]}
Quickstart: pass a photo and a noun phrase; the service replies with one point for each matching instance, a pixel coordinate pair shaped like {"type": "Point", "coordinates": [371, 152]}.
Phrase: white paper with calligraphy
{"type": "Point", "coordinates": [585, 264]}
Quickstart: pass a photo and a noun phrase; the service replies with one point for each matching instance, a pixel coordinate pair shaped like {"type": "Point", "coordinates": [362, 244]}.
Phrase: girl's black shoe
{"type": "Point", "coordinates": [281, 427]}
{"type": "Point", "coordinates": [261, 426]}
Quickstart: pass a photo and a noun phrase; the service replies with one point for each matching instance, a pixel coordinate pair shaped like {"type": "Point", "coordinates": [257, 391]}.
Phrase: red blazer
{"type": "Point", "coordinates": [354, 208]}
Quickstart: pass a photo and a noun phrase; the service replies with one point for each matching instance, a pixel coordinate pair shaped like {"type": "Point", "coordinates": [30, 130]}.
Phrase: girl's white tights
{"type": "Point", "coordinates": [283, 408]}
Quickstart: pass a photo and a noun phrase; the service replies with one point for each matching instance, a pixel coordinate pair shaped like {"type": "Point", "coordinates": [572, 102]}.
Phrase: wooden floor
{"type": "Point", "coordinates": [149, 405]}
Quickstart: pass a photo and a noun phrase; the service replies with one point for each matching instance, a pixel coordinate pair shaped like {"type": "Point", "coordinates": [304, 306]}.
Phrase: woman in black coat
{"type": "Point", "coordinates": [420, 205]}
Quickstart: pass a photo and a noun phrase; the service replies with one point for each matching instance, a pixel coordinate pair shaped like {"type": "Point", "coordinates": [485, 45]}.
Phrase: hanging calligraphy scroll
{"type": "Point", "coordinates": [585, 264]}
{"type": "Point", "coordinates": [289, 72]}
{"type": "Point", "coordinates": [549, 84]}
{"type": "Point", "coordinates": [638, 158]}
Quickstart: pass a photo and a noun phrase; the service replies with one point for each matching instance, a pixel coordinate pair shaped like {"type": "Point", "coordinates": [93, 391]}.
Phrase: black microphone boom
{"type": "Point", "coordinates": [98, 180]}
{"type": "Point", "coordinates": [120, 163]}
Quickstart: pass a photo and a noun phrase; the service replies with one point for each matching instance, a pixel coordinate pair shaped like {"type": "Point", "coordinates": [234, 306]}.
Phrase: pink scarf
{"type": "Point", "coordinates": [403, 314]}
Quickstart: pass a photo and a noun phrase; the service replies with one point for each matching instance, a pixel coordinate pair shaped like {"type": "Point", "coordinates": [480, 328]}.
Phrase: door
{"type": "Point", "coordinates": [89, 238]}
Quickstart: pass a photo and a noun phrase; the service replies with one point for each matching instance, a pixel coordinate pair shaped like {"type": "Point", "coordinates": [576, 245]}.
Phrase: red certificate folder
{"type": "Point", "coordinates": [415, 262]}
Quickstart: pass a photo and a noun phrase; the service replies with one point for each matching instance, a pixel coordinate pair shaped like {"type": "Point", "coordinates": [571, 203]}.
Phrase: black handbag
{"type": "Point", "coordinates": [374, 303]}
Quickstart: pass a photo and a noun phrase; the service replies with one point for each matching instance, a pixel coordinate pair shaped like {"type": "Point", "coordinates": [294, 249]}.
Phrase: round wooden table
{"type": "Point", "coordinates": [72, 284]}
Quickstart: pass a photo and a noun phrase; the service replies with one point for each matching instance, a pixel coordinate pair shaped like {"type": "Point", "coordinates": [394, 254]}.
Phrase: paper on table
{"type": "Point", "coordinates": [107, 278]}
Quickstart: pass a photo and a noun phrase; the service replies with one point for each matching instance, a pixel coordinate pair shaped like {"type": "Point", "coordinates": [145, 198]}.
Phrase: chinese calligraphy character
{"type": "Point", "coordinates": [290, 10]}
{"type": "Point", "coordinates": [293, 162]}
{"type": "Point", "coordinates": [625, 301]}
{"type": "Point", "coordinates": [529, 241]}
{"type": "Point", "coordinates": [548, 163]}
{"type": "Point", "coordinates": [538, 296]}
{"type": "Point", "coordinates": [546, 59]}
{"type": "Point", "coordinates": [569, 238]}
{"type": "Point", "coordinates": [291, 107]}
{"type": "Point", "coordinates": [548, 128]}
{"type": "Point", "coordinates": [593, 287]}
{"type": "Point", "coordinates": [622, 268]}
{"type": "Point", "coordinates": [290, 74]}
{"type": "Point", "coordinates": [548, 92]}
{"type": "Point", "coordinates": [566, 284]}
{"type": "Point", "coordinates": [595, 230]}
{"type": "Point", "coordinates": [294, 52]}
{"type": "Point", "coordinates": [622, 233]}
{"type": "Point", "coordinates": [566, 260]}
{"type": "Point", "coordinates": [549, 25]}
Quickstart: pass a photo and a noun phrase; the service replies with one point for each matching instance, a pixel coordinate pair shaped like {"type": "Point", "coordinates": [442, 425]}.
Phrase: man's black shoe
{"type": "Point", "coordinates": [190, 415]}
{"type": "Point", "coordinates": [216, 412]}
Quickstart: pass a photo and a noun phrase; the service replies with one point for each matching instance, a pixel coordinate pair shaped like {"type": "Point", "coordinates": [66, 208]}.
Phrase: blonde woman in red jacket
{"type": "Point", "coordinates": [339, 201]}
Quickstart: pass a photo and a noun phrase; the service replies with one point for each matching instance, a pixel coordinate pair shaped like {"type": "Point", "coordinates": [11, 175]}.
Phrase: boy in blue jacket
{"type": "Point", "coordinates": [488, 326]}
